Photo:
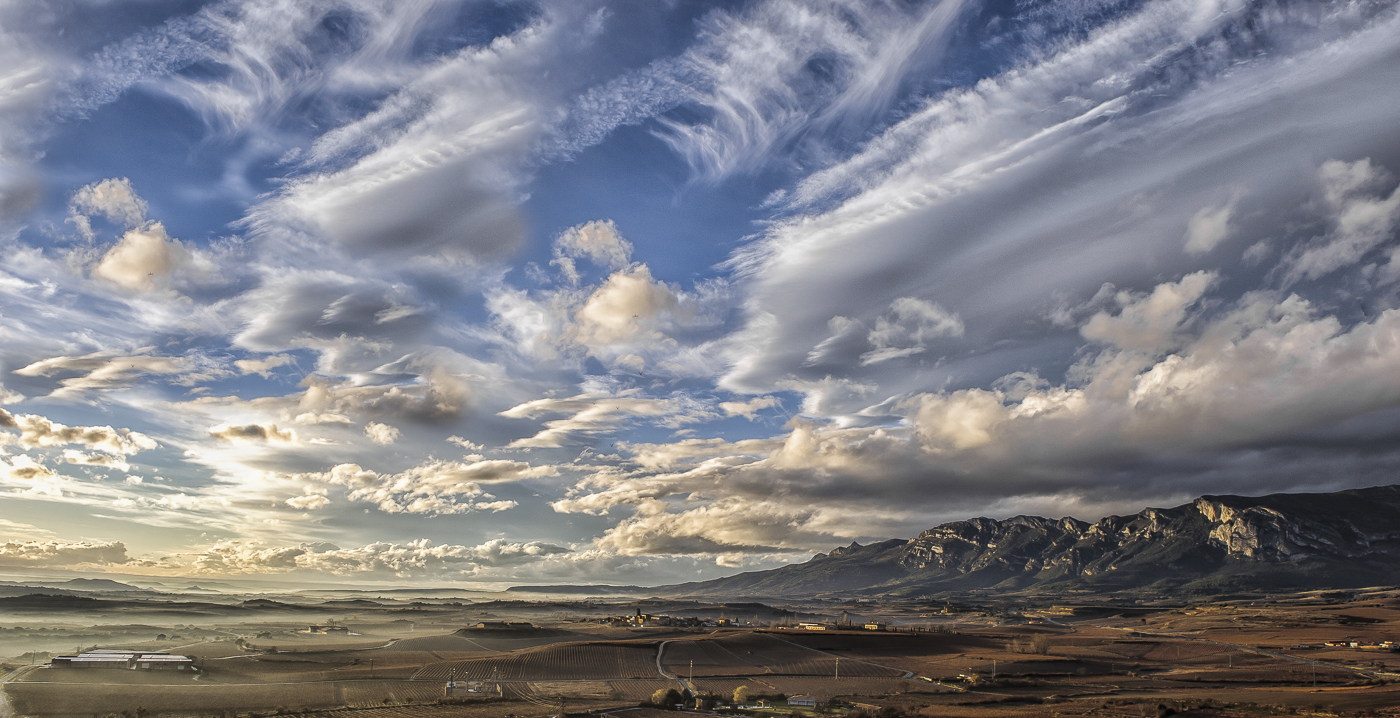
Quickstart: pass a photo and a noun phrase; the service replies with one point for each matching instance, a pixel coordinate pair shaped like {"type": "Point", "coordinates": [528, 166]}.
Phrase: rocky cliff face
{"type": "Point", "coordinates": [1210, 532]}
{"type": "Point", "coordinates": [1348, 538]}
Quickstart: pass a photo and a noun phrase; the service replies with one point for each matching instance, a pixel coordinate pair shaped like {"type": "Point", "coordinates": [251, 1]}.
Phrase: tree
{"type": "Point", "coordinates": [665, 697]}
{"type": "Point", "coordinates": [1041, 644]}
{"type": "Point", "coordinates": [160, 636]}
{"type": "Point", "coordinates": [741, 695]}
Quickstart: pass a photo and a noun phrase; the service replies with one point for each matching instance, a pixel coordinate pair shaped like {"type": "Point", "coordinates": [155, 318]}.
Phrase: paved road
{"type": "Point", "coordinates": [5, 710]}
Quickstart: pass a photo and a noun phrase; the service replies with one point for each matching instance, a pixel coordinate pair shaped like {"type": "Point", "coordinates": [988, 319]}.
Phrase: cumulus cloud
{"type": "Point", "coordinates": [308, 502]}
{"type": "Point", "coordinates": [30, 476]}
{"type": "Point", "coordinates": [414, 559]}
{"type": "Point", "coordinates": [61, 554]}
{"type": "Point", "coordinates": [725, 527]}
{"type": "Point", "coordinates": [1266, 368]}
{"type": "Point", "coordinates": [1361, 217]}
{"type": "Point", "coordinates": [433, 487]}
{"type": "Point", "coordinates": [106, 461]}
{"type": "Point", "coordinates": [1150, 323]}
{"type": "Point", "coordinates": [629, 306]}
{"type": "Point", "coordinates": [147, 258]}
{"type": "Point", "coordinates": [39, 431]}
{"type": "Point", "coordinates": [114, 198]}
{"type": "Point", "coordinates": [382, 434]}
{"type": "Point", "coordinates": [438, 395]}
{"type": "Point", "coordinates": [253, 433]}
{"type": "Point", "coordinates": [598, 241]}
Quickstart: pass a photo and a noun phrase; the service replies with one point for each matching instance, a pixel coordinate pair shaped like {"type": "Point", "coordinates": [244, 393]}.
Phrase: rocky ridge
{"type": "Point", "coordinates": [1213, 544]}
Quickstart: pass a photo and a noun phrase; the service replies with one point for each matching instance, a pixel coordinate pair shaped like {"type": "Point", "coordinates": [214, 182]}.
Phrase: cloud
{"type": "Point", "coordinates": [106, 371]}
{"type": "Point", "coordinates": [727, 526]}
{"type": "Point", "coordinates": [1150, 323]}
{"type": "Point", "coordinates": [908, 325]}
{"type": "Point", "coordinates": [628, 307]}
{"type": "Point", "coordinates": [10, 397]}
{"type": "Point", "coordinates": [38, 431]}
{"type": "Point", "coordinates": [775, 74]}
{"type": "Point", "coordinates": [597, 413]}
{"type": "Point", "coordinates": [414, 559]}
{"type": "Point", "coordinates": [146, 258]}
{"type": "Point", "coordinates": [1360, 219]}
{"type": "Point", "coordinates": [60, 554]}
{"type": "Point", "coordinates": [36, 478]}
{"type": "Point", "coordinates": [438, 395]}
{"type": "Point", "coordinates": [749, 409]}
{"type": "Point", "coordinates": [382, 434]}
{"type": "Point", "coordinates": [432, 487]}
{"type": "Point", "coordinates": [1165, 384]}
{"type": "Point", "coordinates": [263, 367]}
{"type": "Point", "coordinates": [252, 433]}
{"type": "Point", "coordinates": [1210, 226]}
{"type": "Point", "coordinates": [597, 241]}
{"type": "Point", "coordinates": [308, 502]}
{"type": "Point", "coordinates": [114, 198]}
{"type": "Point", "coordinates": [106, 461]}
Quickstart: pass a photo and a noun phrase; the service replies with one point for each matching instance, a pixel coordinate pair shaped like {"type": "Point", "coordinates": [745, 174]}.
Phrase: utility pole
{"type": "Point", "coordinates": [371, 669]}
{"type": "Point", "coordinates": [838, 668]}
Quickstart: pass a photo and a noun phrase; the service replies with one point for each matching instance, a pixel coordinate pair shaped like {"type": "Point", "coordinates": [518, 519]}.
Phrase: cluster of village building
{"type": "Point", "coordinates": [640, 620]}
{"type": "Point", "coordinates": [872, 626]}
{"type": "Point", "coordinates": [1364, 645]}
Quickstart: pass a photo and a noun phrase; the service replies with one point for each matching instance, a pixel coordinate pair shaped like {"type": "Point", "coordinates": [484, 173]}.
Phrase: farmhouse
{"type": "Point", "coordinates": [329, 630]}
{"type": "Point", "coordinates": [812, 626]}
{"type": "Point", "coordinates": [873, 626]}
{"type": "Point", "coordinates": [807, 701]}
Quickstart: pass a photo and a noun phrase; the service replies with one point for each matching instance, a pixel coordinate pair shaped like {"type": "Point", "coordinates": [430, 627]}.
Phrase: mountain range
{"type": "Point", "coordinates": [1211, 546]}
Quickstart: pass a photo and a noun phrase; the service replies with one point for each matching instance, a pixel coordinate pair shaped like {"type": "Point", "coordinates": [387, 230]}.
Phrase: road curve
{"type": "Point", "coordinates": [5, 710]}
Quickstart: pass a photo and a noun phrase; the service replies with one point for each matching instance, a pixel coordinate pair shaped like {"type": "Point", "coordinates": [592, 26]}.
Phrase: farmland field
{"type": "Point", "coordinates": [573, 661]}
{"type": "Point", "coordinates": [1106, 665]}
{"type": "Point", "coordinates": [746, 653]}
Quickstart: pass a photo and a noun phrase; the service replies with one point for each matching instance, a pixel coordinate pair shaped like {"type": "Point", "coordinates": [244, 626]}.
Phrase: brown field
{"type": "Point", "coordinates": [1240, 658]}
{"type": "Point", "coordinates": [741, 653]}
{"type": "Point", "coordinates": [570, 661]}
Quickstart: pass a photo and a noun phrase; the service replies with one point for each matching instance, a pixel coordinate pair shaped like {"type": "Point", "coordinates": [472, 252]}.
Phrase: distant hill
{"type": "Point", "coordinates": [96, 584]}
{"type": "Point", "coordinates": [596, 590]}
{"type": "Point", "coordinates": [1213, 545]}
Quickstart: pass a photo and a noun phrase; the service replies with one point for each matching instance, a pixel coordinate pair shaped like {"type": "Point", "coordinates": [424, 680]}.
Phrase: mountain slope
{"type": "Point", "coordinates": [1214, 544]}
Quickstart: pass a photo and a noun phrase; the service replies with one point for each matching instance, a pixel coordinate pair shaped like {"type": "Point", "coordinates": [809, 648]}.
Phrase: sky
{"type": "Point", "coordinates": [597, 291]}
